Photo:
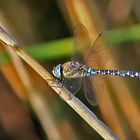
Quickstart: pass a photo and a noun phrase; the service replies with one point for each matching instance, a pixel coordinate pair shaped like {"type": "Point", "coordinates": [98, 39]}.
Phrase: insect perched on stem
{"type": "Point", "coordinates": [75, 71]}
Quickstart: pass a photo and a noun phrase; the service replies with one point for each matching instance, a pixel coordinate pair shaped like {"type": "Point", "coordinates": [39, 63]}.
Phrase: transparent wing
{"type": "Point", "coordinates": [97, 58]}
{"type": "Point", "coordinates": [93, 88]}
{"type": "Point", "coordinates": [89, 91]}
{"type": "Point", "coordinates": [73, 85]}
{"type": "Point", "coordinates": [81, 39]}
{"type": "Point", "coordinates": [100, 52]}
{"type": "Point", "coordinates": [94, 56]}
{"type": "Point", "coordinates": [81, 43]}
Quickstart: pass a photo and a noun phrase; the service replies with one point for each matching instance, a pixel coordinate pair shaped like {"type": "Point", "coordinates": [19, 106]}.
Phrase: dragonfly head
{"type": "Point", "coordinates": [57, 71]}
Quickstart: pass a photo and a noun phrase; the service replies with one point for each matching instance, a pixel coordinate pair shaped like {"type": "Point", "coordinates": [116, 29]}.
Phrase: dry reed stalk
{"type": "Point", "coordinates": [27, 93]}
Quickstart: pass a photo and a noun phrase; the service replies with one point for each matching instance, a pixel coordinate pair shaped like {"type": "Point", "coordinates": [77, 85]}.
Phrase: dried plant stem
{"type": "Point", "coordinates": [26, 92]}
{"type": "Point", "coordinates": [75, 103]}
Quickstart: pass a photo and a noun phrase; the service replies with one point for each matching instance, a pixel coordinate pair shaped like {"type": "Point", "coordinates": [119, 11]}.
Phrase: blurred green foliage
{"type": "Point", "coordinates": [126, 35]}
{"type": "Point", "coordinates": [51, 49]}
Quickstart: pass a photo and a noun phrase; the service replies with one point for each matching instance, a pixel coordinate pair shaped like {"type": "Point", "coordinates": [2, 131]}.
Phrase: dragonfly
{"type": "Point", "coordinates": [83, 67]}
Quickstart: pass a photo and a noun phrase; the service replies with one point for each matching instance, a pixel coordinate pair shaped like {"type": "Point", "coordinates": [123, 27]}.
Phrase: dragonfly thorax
{"type": "Point", "coordinates": [74, 70]}
{"type": "Point", "coordinates": [57, 71]}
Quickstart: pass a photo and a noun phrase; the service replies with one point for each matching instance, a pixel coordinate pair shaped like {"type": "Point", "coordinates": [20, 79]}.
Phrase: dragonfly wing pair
{"type": "Point", "coordinates": [85, 53]}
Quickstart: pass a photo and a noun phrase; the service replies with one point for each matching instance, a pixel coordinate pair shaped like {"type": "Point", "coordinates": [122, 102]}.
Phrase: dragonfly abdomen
{"type": "Point", "coordinates": [119, 73]}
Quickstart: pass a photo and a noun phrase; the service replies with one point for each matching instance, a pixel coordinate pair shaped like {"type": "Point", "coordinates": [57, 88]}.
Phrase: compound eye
{"type": "Point", "coordinates": [57, 71]}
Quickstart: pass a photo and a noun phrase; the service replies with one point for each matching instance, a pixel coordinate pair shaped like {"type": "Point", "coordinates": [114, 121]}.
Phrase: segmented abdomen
{"type": "Point", "coordinates": [119, 73]}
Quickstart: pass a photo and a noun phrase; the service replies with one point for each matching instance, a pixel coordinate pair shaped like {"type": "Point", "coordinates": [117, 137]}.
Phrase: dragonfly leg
{"type": "Point", "coordinates": [59, 83]}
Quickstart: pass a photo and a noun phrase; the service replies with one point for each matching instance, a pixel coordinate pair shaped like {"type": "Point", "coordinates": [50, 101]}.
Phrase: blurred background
{"type": "Point", "coordinates": [29, 109]}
